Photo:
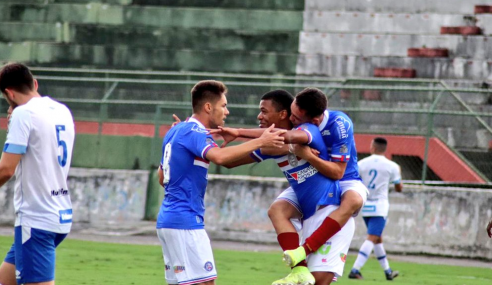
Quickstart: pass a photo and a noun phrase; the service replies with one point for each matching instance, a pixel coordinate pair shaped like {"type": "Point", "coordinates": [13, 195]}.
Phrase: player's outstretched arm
{"type": "Point", "coordinates": [330, 169]}
{"type": "Point", "coordinates": [226, 155]}
{"type": "Point", "coordinates": [8, 163]}
{"type": "Point", "coordinates": [230, 134]}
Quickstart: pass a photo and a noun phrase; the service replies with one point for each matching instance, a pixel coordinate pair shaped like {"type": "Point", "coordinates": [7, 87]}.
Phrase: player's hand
{"type": "Point", "coordinates": [303, 151]}
{"type": "Point", "coordinates": [177, 120]}
{"type": "Point", "coordinates": [228, 134]}
{"type": "Point", "coordinates": [272, 139]}
{"type": "Point", "coordinates": [489, 229]}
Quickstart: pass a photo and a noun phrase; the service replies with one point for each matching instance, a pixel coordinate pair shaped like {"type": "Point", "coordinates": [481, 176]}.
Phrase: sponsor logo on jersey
{"type": "Point", "coordinates": [208, 266]}
{"type": "Point", "coordinates": [343, 127]}
{"type": "Point", "coordinates": [59, 192]}
{"type": "Point", "coordinates": [179, 269]}
{"type": "Point", "coordinates": [303, 174]}
{"type": "Point", "coordinates": [324, 260]}
{"type": "Point", "coordinates": [326, 133]}
{"type": "Point", "coordinates": [343, 149]}
{"type": "Point", "coordinates": [343, 257]}
{"type": "Point", "coordinates": [168, 267]}
{"type": "Point", "coordinates": [199, 129]}
{"type": "Point", "coordinates": [65, 216]}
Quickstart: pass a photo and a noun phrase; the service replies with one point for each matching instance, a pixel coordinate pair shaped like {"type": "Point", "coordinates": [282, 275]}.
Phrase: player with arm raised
{"type": "Point", "coordinates": [187, 151]}
{"type": "Point", "coordinates": [377, 173]}
{"type": "Point", "coordinates": [38, 149]}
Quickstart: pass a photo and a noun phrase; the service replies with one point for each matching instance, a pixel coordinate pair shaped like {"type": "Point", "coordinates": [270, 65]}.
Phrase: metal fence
{"type": "Point", "coordinates": [460, 118]}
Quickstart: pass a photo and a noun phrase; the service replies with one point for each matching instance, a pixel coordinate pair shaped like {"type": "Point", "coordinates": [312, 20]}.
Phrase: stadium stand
{"type": "Point", "coordinates": [337, 39]}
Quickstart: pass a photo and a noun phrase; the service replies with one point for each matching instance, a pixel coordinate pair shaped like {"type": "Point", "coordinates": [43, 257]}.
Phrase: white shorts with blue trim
{"type": "Point", "coordinates": [188, 256]}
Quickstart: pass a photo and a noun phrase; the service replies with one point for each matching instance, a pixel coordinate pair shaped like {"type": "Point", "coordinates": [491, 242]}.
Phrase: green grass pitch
{"type": "Point", "coordinates": [82, 262]}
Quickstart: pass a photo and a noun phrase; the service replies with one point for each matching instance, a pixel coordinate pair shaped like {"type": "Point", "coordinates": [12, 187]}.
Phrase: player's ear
{"type": "Point", "coordinates": [35, 85]}
{"type": "Point", "coordinates": [283, 114]}
{"type": "Point", "coordinates": [207, 107]}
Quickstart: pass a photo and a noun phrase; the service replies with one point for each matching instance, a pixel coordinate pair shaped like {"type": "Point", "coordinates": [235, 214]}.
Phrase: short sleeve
{"type": "Point", "coordinates": [199, 142]}
{"type": "Point", "coordinates": [342, 145]}
{"type": "Point", "coordinates": [309, 129]}
{"type": "Point", "coordinates": [18, 132]}
{"type": "Point", "coordinates": [396, 174]}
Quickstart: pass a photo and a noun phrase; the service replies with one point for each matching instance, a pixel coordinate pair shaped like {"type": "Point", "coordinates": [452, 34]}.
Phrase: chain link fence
{"type": "Point", "coordinates": [416, 114]}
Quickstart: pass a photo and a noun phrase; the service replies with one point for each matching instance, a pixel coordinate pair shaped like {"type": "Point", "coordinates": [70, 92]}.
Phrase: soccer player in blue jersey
{"type": "Point", "coordinates": [337, 131]}
{"type": "Point", "coordinates": [38, 151]}
{"type": "Point", "coordinates": [187, 152]}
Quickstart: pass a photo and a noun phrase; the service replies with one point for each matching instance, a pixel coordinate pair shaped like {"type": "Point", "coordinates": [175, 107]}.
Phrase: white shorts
{"type": "Point", "coordinates": [357, 186]}
{"type": "Point", "coordinates": [188, 256]}
{"type": "Point", "coordinates": [331, 256]}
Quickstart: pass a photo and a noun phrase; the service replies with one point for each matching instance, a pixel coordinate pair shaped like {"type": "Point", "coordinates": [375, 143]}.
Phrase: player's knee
{"type": "Point", "coordinates": [352, 201]}
{"type": "Point", "coordinates": [275, 211]}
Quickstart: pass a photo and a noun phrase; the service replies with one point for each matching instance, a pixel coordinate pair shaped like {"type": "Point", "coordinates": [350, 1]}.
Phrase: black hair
{"type": "Point", "coordinates": [16, 76]}
{"type": "Point", "coordinates": [281, 100]}
{"type": "Point", "coordinates": [380, 144]}
{"type": "Point", "coordinates": [313, 101]}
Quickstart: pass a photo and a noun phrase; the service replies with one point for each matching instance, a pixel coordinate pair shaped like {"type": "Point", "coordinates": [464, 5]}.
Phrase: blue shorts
{"type": "Point", "coordinates": [33, 254]}
{"type": "Point", "coordinates": [375, 225]}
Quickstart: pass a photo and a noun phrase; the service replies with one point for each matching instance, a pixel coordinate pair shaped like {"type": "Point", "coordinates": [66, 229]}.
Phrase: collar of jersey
{"type": "Point", "coordinates": [193, 120]}
{"type": "Point", "coordinates": [326, 114]}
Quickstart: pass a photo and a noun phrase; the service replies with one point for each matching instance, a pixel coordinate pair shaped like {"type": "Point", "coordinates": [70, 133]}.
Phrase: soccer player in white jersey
{"type": "Point", "coordinates": [377, 172]}
{"type": "Point", "coordinates": [38, 151]}
{"type": "Point", "coordinates": [187, 152]}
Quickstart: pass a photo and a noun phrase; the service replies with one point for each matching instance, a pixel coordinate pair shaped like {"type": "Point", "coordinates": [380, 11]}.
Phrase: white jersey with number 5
{"type": "Point", "coordinates": [42, 131]}
{"type": "Point", "coordinates": [377, 172]}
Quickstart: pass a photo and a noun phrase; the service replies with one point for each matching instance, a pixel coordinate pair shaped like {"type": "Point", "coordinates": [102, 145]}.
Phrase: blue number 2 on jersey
{"type": "Point", "coordinates": [62, 160]}
{"type": "Point", "coordinates": [374, 173]}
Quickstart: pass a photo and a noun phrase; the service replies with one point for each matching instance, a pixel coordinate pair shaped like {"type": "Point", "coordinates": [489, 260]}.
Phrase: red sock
{"type": "Point", "coordinates": [289, 241]}
{"type": "Point", "coordinates": [328, 228]}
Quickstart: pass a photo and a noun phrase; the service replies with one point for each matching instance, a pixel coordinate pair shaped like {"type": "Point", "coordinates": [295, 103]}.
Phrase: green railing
{"type": "Point", "coordinates": [459, 117]}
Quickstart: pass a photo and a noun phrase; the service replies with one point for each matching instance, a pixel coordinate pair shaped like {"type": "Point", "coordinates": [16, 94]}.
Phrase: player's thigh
{"type": "Point", "coordinates": [7, 273]}
{"type": "Point", "coordinates": [331, 256]}
{"type": "Point", "coordinates": [286, 205]}
{"type": "Point", "coordinates": [323, 278]}
{"type": "Point", "coordinates": [188, 256]}
{"type": "Point", "coordinates": [35, 254]}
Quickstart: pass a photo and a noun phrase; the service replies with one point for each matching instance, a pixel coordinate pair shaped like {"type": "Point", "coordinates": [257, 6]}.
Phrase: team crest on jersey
{"type": "Point", "coordinates": [208, 266]}
{"type": "Point", "coordinates": [303, 174]}
{"type": "Point", "coordinates": [343, 127]}
{"type": "Point", "coordinates": [292, 160]}
{"type": "Point", "coordinates": [343, 149]}
{"type": "Point", "coordinates": [326, 133]}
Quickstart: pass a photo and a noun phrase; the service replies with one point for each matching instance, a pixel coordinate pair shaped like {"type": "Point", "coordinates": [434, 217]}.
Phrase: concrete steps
{"type": "Point", "coordinates": [366, 44]}
{"type": "Point", "coordinates": [361, 66]}
{"type": "Point", "coordinates": [412, 7]}
{"type": "Point", "coordinates": [381, 23]}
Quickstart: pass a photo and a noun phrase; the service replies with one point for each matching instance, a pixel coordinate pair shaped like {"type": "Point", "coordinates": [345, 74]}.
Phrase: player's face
{"type": "Point", "coordinates": [268, 114]}
{"type": "Point", "coordinates": [297, 116]}
{"type": "Point", "coordinates": [219, 112]}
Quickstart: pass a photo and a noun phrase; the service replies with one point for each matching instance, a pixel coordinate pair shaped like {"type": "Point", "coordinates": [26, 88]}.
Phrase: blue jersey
{"type": "Point", "coordinates": [337, 130]}
{"type": "Point", "coordinates": [311, 187]}
{"type": "Point", "coordinates": [185, 168]}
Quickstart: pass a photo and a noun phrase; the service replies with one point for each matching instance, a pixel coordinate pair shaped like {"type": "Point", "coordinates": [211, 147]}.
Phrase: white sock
{"type": "Point", "coordinates": [364, 253]}
{"type": "Point", "coordinates": [381, 255]}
